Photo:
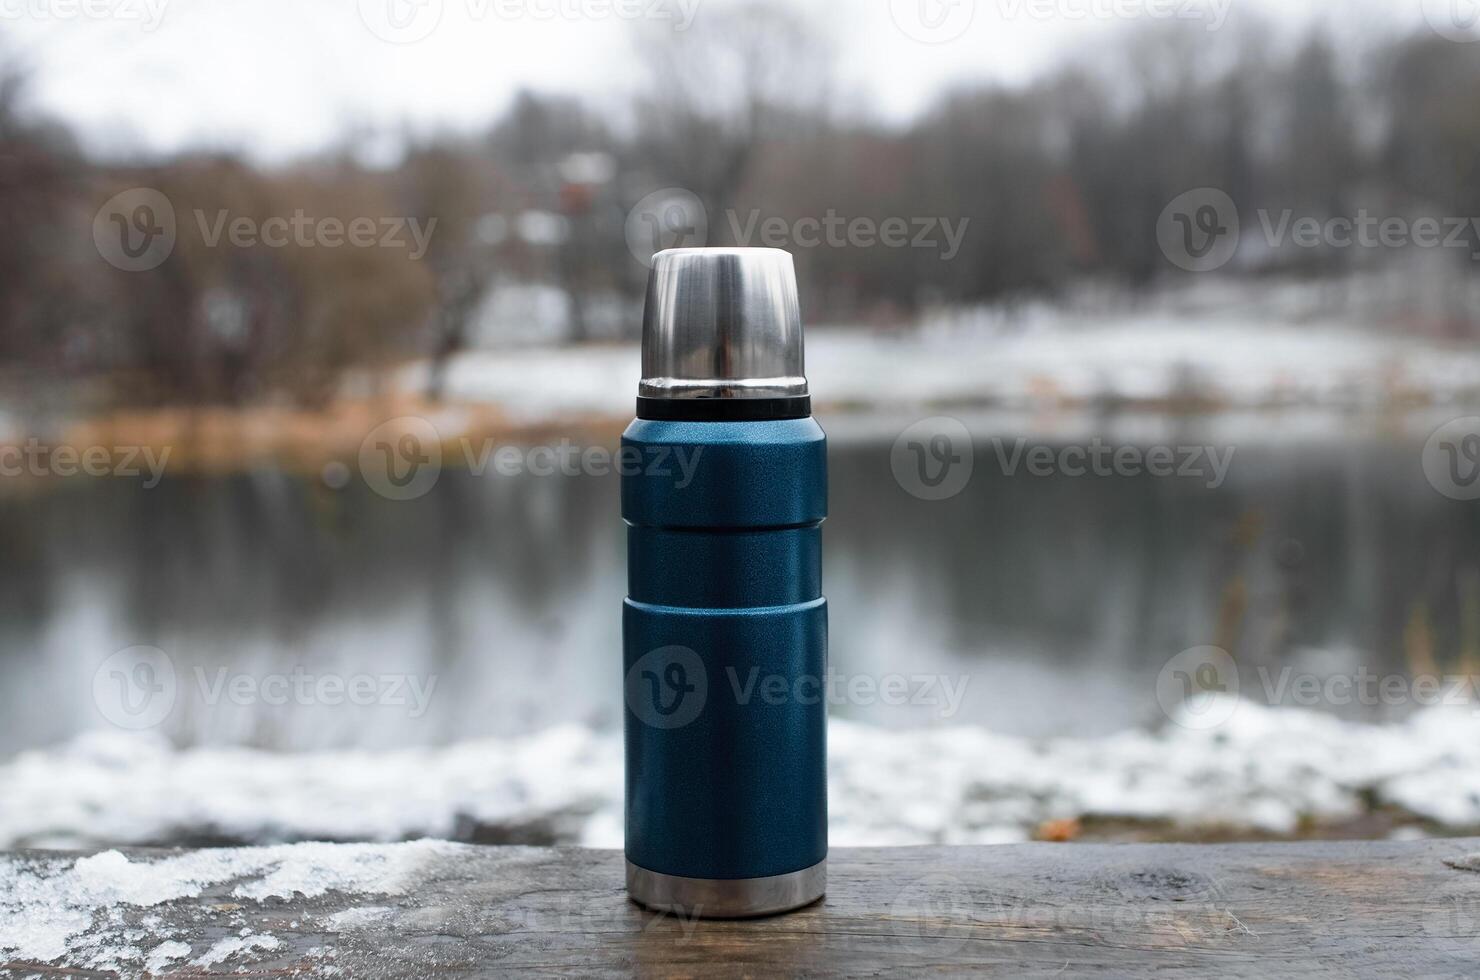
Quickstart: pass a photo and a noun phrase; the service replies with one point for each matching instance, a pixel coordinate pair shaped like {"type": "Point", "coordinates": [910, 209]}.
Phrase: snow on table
{"type": "Point", "coordinates": [106, 911]}
{"type": "Point", "coordinates": [1368, 908]}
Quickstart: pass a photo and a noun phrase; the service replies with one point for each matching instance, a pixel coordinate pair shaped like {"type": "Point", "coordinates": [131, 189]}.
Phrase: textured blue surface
{"type": "Point", "coordinates": [726, 562]}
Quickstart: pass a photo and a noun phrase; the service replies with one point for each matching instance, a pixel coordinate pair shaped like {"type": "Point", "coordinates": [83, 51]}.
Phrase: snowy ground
{"type": "Point", "coordinates": [1237, 350]}
{"type": "Point", "coordinates": [1265, 769]}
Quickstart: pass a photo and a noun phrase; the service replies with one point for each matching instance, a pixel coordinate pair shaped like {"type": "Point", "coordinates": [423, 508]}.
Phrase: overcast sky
{"type": "Point", "coordinates": [281, 77]}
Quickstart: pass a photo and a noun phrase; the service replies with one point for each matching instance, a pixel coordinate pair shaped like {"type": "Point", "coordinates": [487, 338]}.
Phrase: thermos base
{"type": "Point", "coordinates": [726, 898]}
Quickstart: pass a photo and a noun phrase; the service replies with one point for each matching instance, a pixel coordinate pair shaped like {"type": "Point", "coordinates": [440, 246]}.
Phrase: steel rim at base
{"type": "Point", "coordinates": [726, 898]}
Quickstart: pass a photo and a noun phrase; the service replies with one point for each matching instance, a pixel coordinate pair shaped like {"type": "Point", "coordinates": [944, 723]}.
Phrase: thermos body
{"type": "Point", "coordinates": [725, 651]}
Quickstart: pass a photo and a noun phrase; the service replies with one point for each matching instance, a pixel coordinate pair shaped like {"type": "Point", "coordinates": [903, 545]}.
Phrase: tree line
{"type": "Point", "coordinates": [1043, 187]}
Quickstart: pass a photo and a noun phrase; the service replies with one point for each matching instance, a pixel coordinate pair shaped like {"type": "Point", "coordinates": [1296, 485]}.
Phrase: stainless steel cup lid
{"type": "Point", "coordinates": [722, 323]}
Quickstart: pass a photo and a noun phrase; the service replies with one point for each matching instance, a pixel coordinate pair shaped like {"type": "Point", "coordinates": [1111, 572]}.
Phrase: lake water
{"type": "Point", "coordinates": [1056, 599]}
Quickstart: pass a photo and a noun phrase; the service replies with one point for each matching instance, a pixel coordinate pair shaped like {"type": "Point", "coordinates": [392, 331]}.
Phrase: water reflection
{"type": "Point", "coordinates": [1057, 597]}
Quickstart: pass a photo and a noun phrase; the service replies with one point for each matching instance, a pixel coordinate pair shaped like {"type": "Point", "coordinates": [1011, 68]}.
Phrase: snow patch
{"type": "Point", "coordinates": [360, 917]}
{"type": "Point", "coordinates": [75, 913]}
{"type": "Point", "coordinates": [1265, 769]}
{"type": "Point", "coordinates": [166, 953]}
{"type": "Point", "coordinates": [233, 945]}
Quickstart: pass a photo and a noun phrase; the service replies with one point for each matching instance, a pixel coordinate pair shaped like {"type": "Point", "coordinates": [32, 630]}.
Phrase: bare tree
{"type": "Point", "coordinates": [42, 210]}
{"type": "Point", "coordinates": [455, 186]}
{"type": "Point", "coordinates": [740, 76]}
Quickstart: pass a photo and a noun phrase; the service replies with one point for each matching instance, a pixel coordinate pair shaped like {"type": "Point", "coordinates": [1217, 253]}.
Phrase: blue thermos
{"type": "Point", "coordinates": [724, 488]}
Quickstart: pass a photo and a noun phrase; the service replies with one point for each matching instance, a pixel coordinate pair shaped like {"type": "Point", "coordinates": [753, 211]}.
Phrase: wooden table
{"type": "Point", "coordinates": [1352, 908]}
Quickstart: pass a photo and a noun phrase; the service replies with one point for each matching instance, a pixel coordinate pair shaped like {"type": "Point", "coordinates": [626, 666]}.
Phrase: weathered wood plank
{"type": "Point", "coordinates": [1307, 909]}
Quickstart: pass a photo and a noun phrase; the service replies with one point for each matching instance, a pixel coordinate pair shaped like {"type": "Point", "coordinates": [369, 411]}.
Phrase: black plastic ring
{"type": "Point", "coordinates": [724, 409]}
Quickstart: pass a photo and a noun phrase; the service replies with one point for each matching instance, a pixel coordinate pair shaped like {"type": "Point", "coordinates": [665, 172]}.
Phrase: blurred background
{"type": "Point", "coordinates": [1146, 334]}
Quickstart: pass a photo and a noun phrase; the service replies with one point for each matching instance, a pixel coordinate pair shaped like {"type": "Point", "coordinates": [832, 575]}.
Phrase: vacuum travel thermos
{"type": "Point", "coordinates": [724, 488]}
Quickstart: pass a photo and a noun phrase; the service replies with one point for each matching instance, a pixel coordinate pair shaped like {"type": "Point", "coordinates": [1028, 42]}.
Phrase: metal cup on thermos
{"type": "Point", "coordinates": [724, 489]}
